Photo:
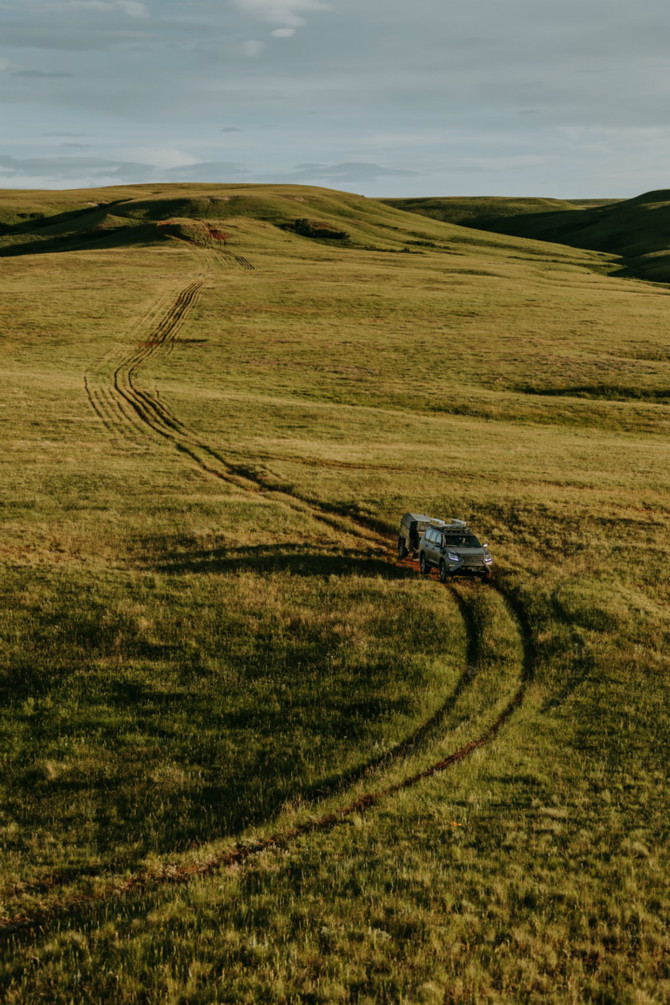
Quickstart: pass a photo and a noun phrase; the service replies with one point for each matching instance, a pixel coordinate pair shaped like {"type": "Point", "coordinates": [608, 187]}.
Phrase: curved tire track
{"type": "Point", "coordinates": [146, 881]}
{"type": "Point", "coordinates": [121, 404]}
{"type": "Point", "coordinates": [153, 414]}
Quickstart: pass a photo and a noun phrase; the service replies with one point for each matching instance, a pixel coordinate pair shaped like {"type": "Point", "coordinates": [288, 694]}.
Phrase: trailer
{"type": "Point", "coordinates": [412, 528]}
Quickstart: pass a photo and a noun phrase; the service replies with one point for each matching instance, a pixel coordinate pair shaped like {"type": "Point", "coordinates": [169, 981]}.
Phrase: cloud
{"type": "Point", "coordinates": [286, 14]}
{"type": "Point", "coordinates": [231, 129]}
{"type": "Point", "coordinates": [14, 71]}
{"type": "Point", "coordinates": [349, 171]}
{"type": "Point", "coordinates": [75, 25]}
{"type": "Point", "coordinates": [252, 48]}
{"type": "Point", "coordinates": [133, 8]}
{"type": "Point", "coordinates": [37, 74]}
{"type": "Point", "coordinates": [91, 172]}
{"type": "Point", "coordinates": [218, 172]}
{"type": "Point", "coordinates": [66, 168]}
{"type": "Point", "coordinates": [81, 171]}
{"type": "Point", "coordinates": [160, 156]}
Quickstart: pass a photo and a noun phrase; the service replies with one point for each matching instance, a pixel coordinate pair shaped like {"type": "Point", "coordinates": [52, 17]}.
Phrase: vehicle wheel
{"type": "Point", "coordinates": [402, 550]}
{"type": "Point", "coordinates": [443, 573]}
{"type": "Point", "coordinates": [423, 564]}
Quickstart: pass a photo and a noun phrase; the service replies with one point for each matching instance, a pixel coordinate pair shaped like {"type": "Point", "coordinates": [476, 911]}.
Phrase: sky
{"type": "Point", "coordinates": [561, 98]}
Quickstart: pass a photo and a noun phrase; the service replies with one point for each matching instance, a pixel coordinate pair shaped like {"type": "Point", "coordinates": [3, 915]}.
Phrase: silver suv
{"type": "Point", "coordinates": [440, 545]}
{"type": "Point", "coordinates": [434, 550]}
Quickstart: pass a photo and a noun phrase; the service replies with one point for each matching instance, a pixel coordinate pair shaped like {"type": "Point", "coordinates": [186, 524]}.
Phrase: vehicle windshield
{"type": "Point", "coordinates": [462, 541]}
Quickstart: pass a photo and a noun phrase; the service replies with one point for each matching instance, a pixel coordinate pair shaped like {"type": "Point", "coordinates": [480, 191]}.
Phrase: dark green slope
{"type": "Point", "coordinates": [636, 229]}
{"type": "Point", "coordinates": [478, 211]}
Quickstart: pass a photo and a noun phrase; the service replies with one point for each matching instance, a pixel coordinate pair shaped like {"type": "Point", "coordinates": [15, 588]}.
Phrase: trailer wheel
{"type": "Point", "coordinates": [402, 550]}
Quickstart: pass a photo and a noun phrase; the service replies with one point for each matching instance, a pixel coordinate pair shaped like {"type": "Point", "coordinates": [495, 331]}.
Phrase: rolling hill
{"type": "Point", "coordinates": [637, 230]}
{"type": "Point", "coordinates": [137, 214]}
{"type": "Point", "coordinates": [249, 754]}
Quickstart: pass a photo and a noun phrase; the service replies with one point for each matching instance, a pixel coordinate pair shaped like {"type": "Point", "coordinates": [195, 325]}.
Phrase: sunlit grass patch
{"type": "Point", "coordinates": [170, 710]}
{"type": "Point", "coordinates": [206, 642]}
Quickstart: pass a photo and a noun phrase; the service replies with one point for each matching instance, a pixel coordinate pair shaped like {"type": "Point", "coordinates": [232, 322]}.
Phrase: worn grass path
{"type": "Point", "coordinates": [114, 390]}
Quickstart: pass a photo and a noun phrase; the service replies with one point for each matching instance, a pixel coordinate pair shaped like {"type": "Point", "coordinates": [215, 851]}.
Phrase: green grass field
{"type": "Point", "coordinates": [247, 755]}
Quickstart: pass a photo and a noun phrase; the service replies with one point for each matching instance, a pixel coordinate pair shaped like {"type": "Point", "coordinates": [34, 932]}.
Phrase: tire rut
{"type": "Point", "coordinates": [149, 412]}
{"type": "Point", "coordinates": [244, 262]}
{"type": "Point", "coordinates": [133, 406]}
{"type": "Point", "coordinates": [68, 909]}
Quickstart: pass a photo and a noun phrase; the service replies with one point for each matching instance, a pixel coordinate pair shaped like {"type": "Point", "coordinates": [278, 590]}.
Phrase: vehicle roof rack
{"type": "Point", "coordinates": [456, 526]}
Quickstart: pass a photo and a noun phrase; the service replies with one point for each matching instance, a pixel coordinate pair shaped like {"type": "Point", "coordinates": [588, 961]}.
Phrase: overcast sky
{"type": "Point", "coordinates": [382, 97]}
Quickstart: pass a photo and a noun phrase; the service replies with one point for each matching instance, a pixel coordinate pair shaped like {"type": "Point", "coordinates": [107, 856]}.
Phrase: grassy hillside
{"type": "Point", "coordinates": [637, 230]}
{"type": "Point", "coordinates": [480, 211]}
{"type": "Point", "coordinates": [476, 211]}
{"type": "Point", "coordinates": [247, 755]}
{"type": "Point", "coordinates": [140, 213]}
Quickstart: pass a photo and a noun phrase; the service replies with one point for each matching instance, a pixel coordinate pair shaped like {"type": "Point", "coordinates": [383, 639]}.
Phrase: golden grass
{"type": "Point", "coordinates": [202, 643]}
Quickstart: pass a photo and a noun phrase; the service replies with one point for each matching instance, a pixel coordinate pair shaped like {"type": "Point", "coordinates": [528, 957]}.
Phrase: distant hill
{"type": "Point", "coordinates": [636, 229]}
{"type": "Point", "coordinates": [40, 222]}
{"type": "Point", "coordinates": [480, 211]}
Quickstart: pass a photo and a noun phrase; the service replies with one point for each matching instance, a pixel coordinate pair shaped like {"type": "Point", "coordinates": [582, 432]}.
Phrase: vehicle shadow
{"type": "Point", "coordinates": [262, 558]}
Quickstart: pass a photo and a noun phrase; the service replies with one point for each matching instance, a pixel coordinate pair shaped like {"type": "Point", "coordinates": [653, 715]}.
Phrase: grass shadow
{"type": "Point", "coordinates": [67, 219]}
{"type": "Point", "coordinates": [266, 559]}
{"type": "Point", "coordinates": [113, 237]}
{"type": "Point", "coordinates": [236, 761]}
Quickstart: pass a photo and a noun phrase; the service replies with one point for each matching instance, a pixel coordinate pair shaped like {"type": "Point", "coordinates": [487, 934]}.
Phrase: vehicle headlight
{"type": "Point", "coordinates": [452, 557]}
{"type": "Point", "coordinates": [488, 559]}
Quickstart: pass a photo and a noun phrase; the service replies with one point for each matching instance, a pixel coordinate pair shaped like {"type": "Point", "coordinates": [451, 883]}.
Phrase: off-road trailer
{"type": "Point", "coordinates": [412, 528]}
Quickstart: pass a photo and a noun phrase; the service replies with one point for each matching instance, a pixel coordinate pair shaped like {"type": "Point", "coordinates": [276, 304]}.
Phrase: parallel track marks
{"type": "Point", "coordinates": [244, 262]}
{"type": "Point", "coordinates": [143, 882]}
{"type": "Point", "coordinates": [153, 414]}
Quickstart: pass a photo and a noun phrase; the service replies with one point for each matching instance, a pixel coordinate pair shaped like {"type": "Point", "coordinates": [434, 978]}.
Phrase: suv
{"type": "Point", "coordinates": [454, 539]}
{"type": "Point", "coordinates": [434, 549]}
